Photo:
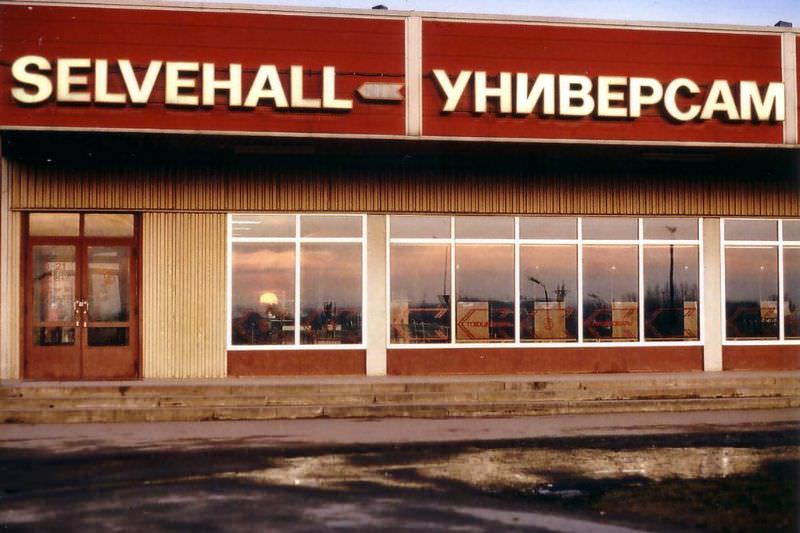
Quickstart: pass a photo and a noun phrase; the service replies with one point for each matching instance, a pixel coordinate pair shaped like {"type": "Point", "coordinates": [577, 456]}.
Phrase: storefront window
{"type": "Point", "coordinates": [791, 292]}
{"type": "Point", "coordinates": [262, 293]}
{"type": "Point", "coordinates": [330, 295]}
{"type": "Point", "coordinates": [762, 279]}
{"type": "Point", "coordinates": [548, 292]}
{"type": "Point", "coordinates": [610, 293]}
{"type": "Point", "coordinates": [420, 293]}
{"type": "Point", "coordinates": [484, 293]}
{"type": "Point", "coordinates": [751, 292]}
{"type": "Point", "coordinates": [671, 292]}
{"type": "Point", "coordinates": [543, 279]}
{"type": "Point", "coordinates": [270, 306]}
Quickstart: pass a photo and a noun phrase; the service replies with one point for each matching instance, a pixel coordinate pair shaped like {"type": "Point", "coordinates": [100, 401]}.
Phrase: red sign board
{"type": "Point", "coordinates": [702, 57]}
{"type": "Point", "coordinates": [88, 67]}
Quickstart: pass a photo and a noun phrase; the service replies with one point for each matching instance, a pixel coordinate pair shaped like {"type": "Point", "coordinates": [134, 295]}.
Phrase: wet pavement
{"type": "Point", "coordinates": [723, 471]}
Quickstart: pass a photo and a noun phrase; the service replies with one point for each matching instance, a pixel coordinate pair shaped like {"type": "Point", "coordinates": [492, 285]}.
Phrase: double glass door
{"type": "Point", "coordinates": [81, 297]}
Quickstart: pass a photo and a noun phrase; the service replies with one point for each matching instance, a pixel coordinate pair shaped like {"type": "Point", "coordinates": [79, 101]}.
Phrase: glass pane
{"type": "Point", "coordinates": [59, 336]}
{"type": "Point", "coordinates": [751, 292]}
{"type": "Point", "coordinates": [330, 226]}
{"type": "Point", "coordinates": [53, 284]}
{"type": "Point", "coordinates": [108, 225]}
{"type": "Point", "coordinates": [671, 292]}
{"type": "Point", "coordinates": [751, 230]}
{"type": "Point", "coordinates": [485, 293]}
{"type": "Point", "coordinates": [791, 292]}
{"type": "Point", "coordinates": [484, 227]}
{"type": "Point", "coordinates": [610, 293]}
{"type": "Point", "coordinates": [54, 224]}
{"type": "Point", "coordinates": [610, 228]}
{"type": "Point", "coordinates": [791, 230]}
{"type": "Point", "coordinates": [420, 293]}
{"type": "Point", "coordinates": [548, 228]}
{"type": "Point", "coordinates": [548, 293]}
{"type": "Point", "coordinates": [109, 283]}
{"type": "Point", "coordinates": [409, 227]}
{"type": "Point", "coordinates": [670, 228]}
{"type": "Point", "coordinates": [330, 301]}
{"type": "Point", "coordinates": [108, 336]}
{"type": "Point", "coordinates": [263, 225]}
{"type": "Point", "coordinates": [262, 293]}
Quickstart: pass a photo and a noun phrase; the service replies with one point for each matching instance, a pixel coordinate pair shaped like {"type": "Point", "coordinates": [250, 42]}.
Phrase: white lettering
{"type": "Point", "coordinates": [267, 85]}
{"type": "Point", "coordinates": [452, 91]}
{"type": "Point", "coordinates": [175, 83]}
{"type": "Point", "coordinates": [671, 104]}
{"type": "Point", "coordinates": [606, 96]}
{"type": "Point", "coordinates": [66, 80]}
{"type": "Point", "coordinates": [329, 100]}
{"type": "Point", "coordinates": [139, 94]}
{"type": "Point", "coordinates": [41, 83]}
{"type": "Point", "coordinates": [482, 92]}
{"type": "Point", "coordinates": [544, 88]}
{"type": "Point", "coordinates": [101, 94]}
{"type": "Point", "coordinates": [296, 91]}
{"type": "Point", "coordinates": [637, 98]}
{"type": "Point", "coordinates": [750, 97]}
{"type": "Point", "coordinates": [233, 85]}
{"type": "Point", "coordinates": [720, 98]}
{"type": "Point", "coordinates": [573, 87]}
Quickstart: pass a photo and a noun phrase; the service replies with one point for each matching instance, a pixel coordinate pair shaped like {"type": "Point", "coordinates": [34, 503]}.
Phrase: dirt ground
{"type": "Point", "coordinates": [673, 473]}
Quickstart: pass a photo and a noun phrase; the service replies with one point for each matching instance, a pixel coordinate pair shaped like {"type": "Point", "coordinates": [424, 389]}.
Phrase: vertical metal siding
{"type": "Point", "coordinates": [183, 286]}
{"type": "Point", "coordinates": [11, 363]}
{"type": "Point", "coordinates": [387, 189]}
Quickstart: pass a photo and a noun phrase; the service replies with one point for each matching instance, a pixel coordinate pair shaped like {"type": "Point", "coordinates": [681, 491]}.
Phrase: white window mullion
{"type": "Point", "coordinates": [452, 280]}
{"type": "Point", "coordinates": [641, 281]}
{"type": "Point", "coordinates": [580, 280]}
{"type": "Point", "coordinates": [297, 282]}
{"type": "Point", "coordinates": [229, 280]}
{"type": "Point", "coordinates": [781, 288]}
{"type": "Point", "coordinates": [517, 296]}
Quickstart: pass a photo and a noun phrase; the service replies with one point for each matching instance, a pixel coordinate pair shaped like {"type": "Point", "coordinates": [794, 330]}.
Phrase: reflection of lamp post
{"type": "Point", "coordinates": [672, 315]}
{"type": "Point", "coordinates": [613, 281]}
{"type": "Point", "coordinates": [543, 286]}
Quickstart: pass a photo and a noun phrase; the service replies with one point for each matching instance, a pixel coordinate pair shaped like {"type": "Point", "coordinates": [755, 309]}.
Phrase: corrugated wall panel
{"type": "Point", "coordinates": [10, 365]}
{"type": "Point", "coordinates": [183, 285]}
{"type": "Point", "coordinates": [387, 188]}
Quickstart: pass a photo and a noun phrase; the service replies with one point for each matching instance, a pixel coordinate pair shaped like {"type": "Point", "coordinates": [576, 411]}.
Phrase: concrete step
{"type": "Point", "coordinates": [439, 410]}
{"type": "Point", "coordinates": [210, 398]}
{"type": "Point", "coordinates": [355, 388]}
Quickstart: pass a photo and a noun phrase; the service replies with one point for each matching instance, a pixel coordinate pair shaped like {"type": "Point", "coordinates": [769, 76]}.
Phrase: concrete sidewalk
{"type": "Point", "coordinates": [155, 436]}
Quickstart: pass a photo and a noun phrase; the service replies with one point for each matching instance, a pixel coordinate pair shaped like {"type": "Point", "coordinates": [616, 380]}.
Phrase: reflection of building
{"type": "Point", "coordinates": [263, 243]}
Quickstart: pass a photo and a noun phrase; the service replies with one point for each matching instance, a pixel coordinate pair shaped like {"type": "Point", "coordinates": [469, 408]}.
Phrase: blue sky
{"type": "Point", "coordinates": [750, 12]}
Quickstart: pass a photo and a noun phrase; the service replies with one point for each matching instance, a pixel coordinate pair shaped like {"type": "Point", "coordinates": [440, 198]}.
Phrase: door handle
{"type": "Point", "coordinates": [77, 305]}
{"type": "Point", "coordinates": [85, 312]}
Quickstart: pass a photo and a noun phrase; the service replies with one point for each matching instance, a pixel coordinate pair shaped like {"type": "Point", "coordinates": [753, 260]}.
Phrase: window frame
{"type": "Point", "coordinates": [780, 244]}
{"type": "Point", "coordinates": [640, 242]}
{"type": "Point", "coordinates": [297, 240]}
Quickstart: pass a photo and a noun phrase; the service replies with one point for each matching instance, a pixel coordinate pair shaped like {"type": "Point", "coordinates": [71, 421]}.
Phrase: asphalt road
{"type": "Point", "coordinates": [724, 471]}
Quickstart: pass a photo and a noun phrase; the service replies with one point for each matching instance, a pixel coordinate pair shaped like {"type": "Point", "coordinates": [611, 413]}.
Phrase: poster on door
{"type": "Point", "coordinates": [104, 293]}
{"type": "Point", "coordinates": [58, 291]}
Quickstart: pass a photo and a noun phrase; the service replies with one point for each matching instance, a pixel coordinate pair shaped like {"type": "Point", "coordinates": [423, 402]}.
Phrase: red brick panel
{"type": "Point", "coordinates": [539, 360]}
{"type": "Point", "coordinates": [297, 363]}
{"type": "Point", "coordinates": [360, 49]}
{"type": "Point", "coordinates": [531, 48]}
{"type": "Point", "coordinates": [773, 357]}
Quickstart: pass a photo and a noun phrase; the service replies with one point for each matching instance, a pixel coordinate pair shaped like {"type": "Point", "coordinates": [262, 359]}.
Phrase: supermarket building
{"type": "Point", "coordinates": [224, 191]}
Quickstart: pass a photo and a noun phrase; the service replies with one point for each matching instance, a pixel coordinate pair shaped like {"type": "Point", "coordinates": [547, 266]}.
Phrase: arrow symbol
{"type": "Point", "coordinates": [373, 90]}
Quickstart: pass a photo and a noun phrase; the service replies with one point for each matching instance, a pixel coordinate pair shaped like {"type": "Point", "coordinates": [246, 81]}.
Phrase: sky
{"type": "Point", "coordinates": [747, 12]}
